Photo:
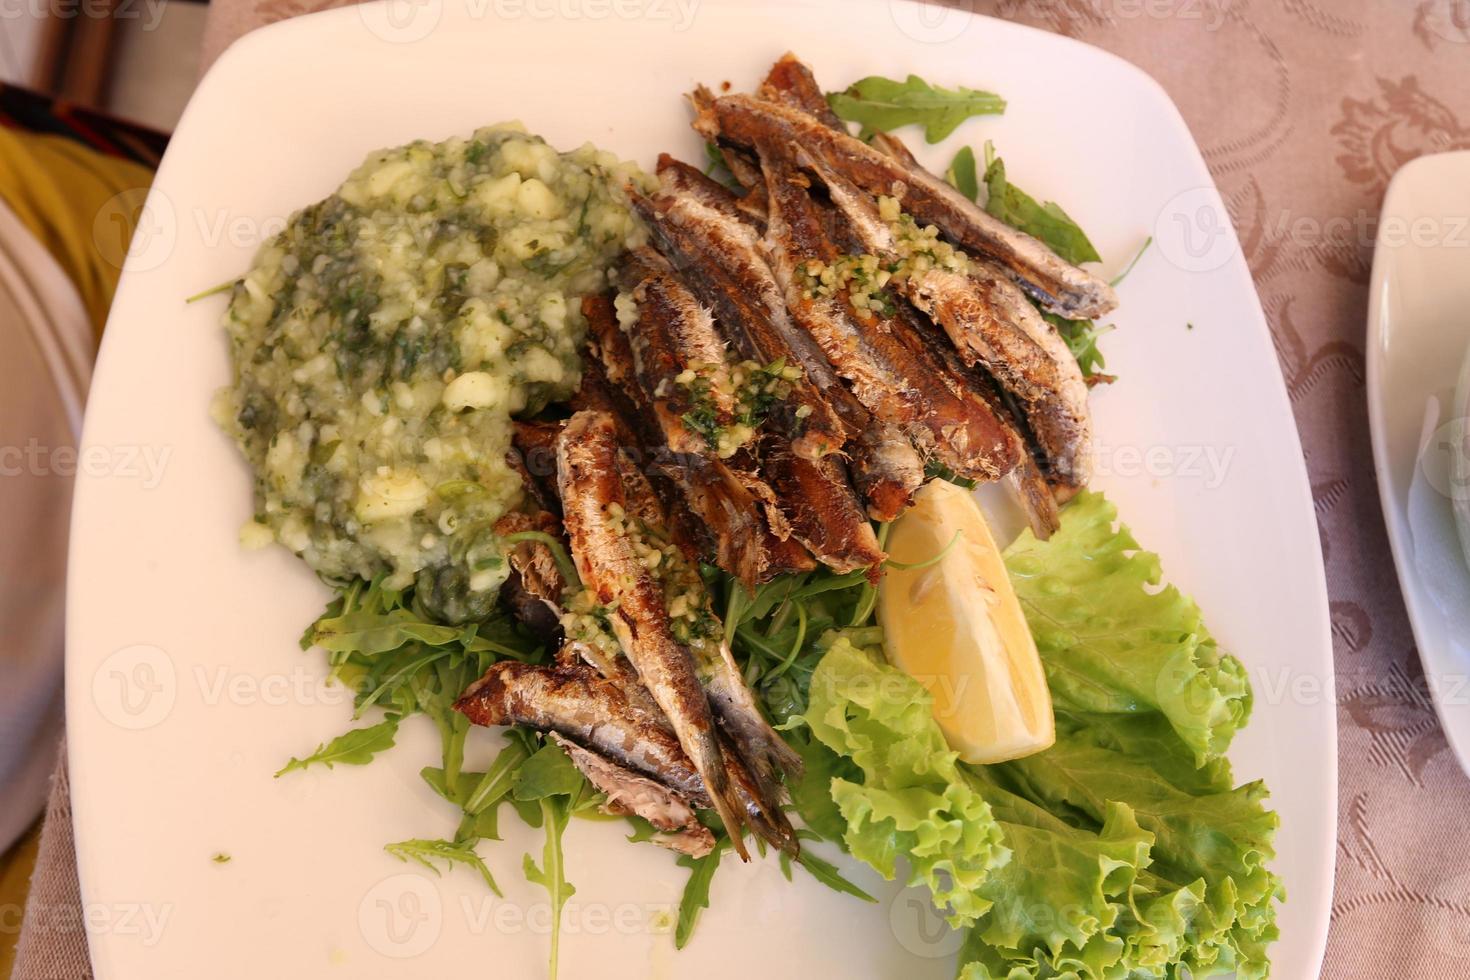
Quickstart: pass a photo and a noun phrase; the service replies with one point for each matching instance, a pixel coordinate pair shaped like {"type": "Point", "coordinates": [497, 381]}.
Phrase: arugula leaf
{"type": "Point", "coordinates": [550, 780]}
{"type": "Point", "coordinates": [811, 792]}
{"type": "Point", "coordinates": [1132, 262]}
{"type": "Point", "coordinates": [549, 772]}
{"type": "Point", "coordinates": [434, 776]}
{"type": "Point", "coordinates": [551, 874]}
{"type": "Point", "coordinates": [717, 167]}
{"type": "Point", "coordinates": [354, 748]}
{"type": "Point", "coordinates": [1047, 222]}
{"type": "Point", "coordinates": [499, 779]}
{"type": "Point", "coordinates": [1081, 337]}
{"type": "Point", "coordinates": [371, 633]}
{"type": "Point", "coordinates": [425, 852]}
{"type": "Point", "coordinates": [823, 870]}
{"type": "Point", "coordinates": [696, 890]}
{"type": "Point", "coordinates": [961, 173]}
{"type": "Point", "coordinates": [1113, 642]}
{"type": "Point", "coordinates": [884, 104]}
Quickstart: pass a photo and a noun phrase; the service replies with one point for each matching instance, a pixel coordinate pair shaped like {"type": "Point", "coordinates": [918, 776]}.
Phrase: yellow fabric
{"type": "Point", "coordinates": [16, 866]}
{"type": "Point", "coordinates": [80, 204]}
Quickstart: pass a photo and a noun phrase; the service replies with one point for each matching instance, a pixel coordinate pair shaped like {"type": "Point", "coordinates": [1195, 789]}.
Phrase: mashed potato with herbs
{"type": "Point", "coordinates": [384, 340]}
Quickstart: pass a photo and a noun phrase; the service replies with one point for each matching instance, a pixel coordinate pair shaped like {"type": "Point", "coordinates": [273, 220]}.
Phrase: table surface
{"type": "Point", "coordinates": [1303, 111]}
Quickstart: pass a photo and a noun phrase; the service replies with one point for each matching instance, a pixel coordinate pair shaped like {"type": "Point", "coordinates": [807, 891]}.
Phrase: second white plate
{"type": "Point", "coordinates": [1418, 335]}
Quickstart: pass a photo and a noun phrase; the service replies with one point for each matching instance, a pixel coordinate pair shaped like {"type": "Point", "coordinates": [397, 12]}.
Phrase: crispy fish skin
{"type": "Point", "coordinates": [992, 325]}
{"type": "Point", "coordinates": [981, 313]}
{"type": "Point", "coordinates": [1057, 285]}
{"type": "Point", "coordinates": [821, 508]}
{"type": "Point", "coordinates": [676, 178]}
{"type": "Point", "coordinates": [797, 343]}
{"type": "Point", "coordinates": [793, 238]}
{"type": "Point", "coordinates": [742, 166]}
{"type": "Point", "coordinates": [534, 445]}
{"type": "Point", "coordinates": [791, 82]}
{"type": "Point", "coordinates": [587, 471]}
{"type": "Point", "coordinates": [745, 546]}
{"type": "Point", "coordinates": [640, 444]}
{"type": "Point", "coordinates": [895, 380]}
{"type": "Point", "coordinates": [535, 586]}
{"type": "Point", "coordinates": [767, 757]}
{"type": "Point", "coordinates": [759, 802]}
{"type": "Point", "coordinates": [886, 470]}
{"type": "Point", "coordinates": [727, 527]}
{"type": "Point", "coordinates": [629, 792]}
{"type": "Point", "coordinates": [720, 259]}
{"type": "Point", "coordinates": [613, 716]}
{"type": "Point", "coordinates": [577, 702]}
{"type": "Point", "coordinates": [674, 334]}
{"type": "Point", "coordinates": [811, 498]}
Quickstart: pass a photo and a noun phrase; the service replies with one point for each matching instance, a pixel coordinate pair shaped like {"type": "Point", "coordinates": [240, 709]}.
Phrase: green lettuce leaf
{"type": "Point", "coordinates": [1134, 853]}
{"type": "Point", "coordinates": [912, 801]}
{"type": "Point", "coordinates": [1215, 843]}
{"type": "Point", "coordinates": [1062, 906]}
{"type": "Point", "coordinates": [1113, 642]}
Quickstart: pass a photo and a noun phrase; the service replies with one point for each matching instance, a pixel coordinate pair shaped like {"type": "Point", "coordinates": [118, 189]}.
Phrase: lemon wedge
{"type": "Point", "coordinates": [955, 626]}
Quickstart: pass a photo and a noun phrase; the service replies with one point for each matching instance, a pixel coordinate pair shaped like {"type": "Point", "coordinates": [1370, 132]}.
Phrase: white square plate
{"type": "Point", "coordinates": [186, 689]}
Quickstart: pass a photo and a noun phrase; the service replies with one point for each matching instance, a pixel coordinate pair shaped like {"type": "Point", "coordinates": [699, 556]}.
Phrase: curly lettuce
{"type": "Point", "coordinates": [1124, 851]}
{"type": "Point", "coordinates": [908, 798]}
{"type": "Point", "coordinates": [1113, 642]}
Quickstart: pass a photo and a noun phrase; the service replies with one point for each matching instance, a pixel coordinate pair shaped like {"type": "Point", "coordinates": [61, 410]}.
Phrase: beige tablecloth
{"type": "Point", "coordinates": [1303, 110]}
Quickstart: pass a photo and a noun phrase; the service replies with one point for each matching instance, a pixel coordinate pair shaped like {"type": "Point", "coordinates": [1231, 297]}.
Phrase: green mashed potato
{"type": "Point", "coordinates": [383, 342]}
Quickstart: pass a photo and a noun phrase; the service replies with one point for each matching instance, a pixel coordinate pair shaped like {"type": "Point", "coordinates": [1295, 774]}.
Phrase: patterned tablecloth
{"type": "Point", "coordinates": [1303, 110]}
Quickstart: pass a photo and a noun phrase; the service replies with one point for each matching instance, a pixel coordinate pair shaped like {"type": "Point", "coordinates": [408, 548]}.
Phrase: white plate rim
{"type": "Point", "coordinates": [1316, 589]}
{"type": "Point", "coordinates": [1393, 504]}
